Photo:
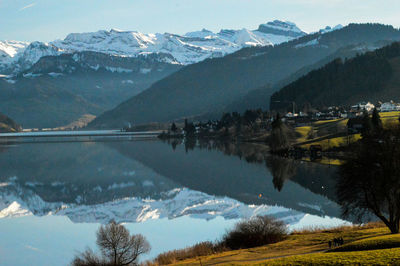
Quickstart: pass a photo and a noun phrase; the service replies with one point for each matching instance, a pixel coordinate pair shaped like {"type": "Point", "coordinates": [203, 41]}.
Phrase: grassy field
{"type": "Point", "coordinates": [389, 118]}
{"type": "Point", "coordinates": [371, 257]}
{"type": "Point", "coordinates": [314, 243]}
{"type": "Point", "coordinates": [333, 133]}
{"type": "Point", "coordinates": [380, 242]}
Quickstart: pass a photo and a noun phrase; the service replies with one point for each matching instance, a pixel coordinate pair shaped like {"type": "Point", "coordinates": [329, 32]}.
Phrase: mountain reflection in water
{"type": "Point", "coordinates": [95, 173]}
{"type": "Point", "coordinates": [53, 191]}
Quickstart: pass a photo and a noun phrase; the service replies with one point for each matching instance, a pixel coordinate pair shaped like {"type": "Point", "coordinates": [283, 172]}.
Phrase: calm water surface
{"type": "Point", "coordinates": [53, 196]}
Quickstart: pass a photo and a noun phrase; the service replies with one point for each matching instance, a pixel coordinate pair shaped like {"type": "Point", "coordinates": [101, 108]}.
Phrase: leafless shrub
{"type": "Point", "coordinates": [258, 231]}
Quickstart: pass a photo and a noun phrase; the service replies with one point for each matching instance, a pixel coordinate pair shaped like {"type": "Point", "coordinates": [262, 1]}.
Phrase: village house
{"type": "Point", "coordinates": [389, 107]}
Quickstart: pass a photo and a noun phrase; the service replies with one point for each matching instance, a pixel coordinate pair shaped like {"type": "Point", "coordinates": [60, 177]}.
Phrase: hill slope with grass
{"type": "Point", "coordinates": [8, 125]}
{"type": "Point", "coordinates": [373, 77]}
{"type": "Point", "coordinates": [212, 85]}
{"type": "Point", "coordinates": [369, 244]}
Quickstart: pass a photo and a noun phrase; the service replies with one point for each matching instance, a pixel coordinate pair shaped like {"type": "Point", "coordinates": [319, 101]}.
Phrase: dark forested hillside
{"type": "Point", "coordinates": [8, 125]}
{"type": "Point", "coordinates": [58, 90]}
{"type": "Point", "coordinates": [217, 85]}
{"type": "Point", "coordinates": [368, 77]}
{"type": "Point", "coordinates": [260, 98]}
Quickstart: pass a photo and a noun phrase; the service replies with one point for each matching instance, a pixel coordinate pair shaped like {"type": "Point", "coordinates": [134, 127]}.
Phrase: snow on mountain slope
{"type": "Point", "coordinates": [11, 48]}
{"type": "Point", "coordinates": [8, 50]}
{"type": "Point", "coordinates": [34, 51]}
{"type": "Point", "coordinates": [185, 49]}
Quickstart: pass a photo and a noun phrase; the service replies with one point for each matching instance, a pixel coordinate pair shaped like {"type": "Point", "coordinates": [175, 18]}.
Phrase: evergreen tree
{"type": "Point", "coordinates": [189, 129]}
{"type": "Point", "coordinates": [376, 123]}
{"type": "Point", "coordinates": [173, 128]}
{"type": "Point", "coordinates": [367, 127]}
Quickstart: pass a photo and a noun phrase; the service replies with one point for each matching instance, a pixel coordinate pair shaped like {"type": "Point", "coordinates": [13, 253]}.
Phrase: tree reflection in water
{"type": "Point", "coordinates": [317, 177]}
{"type": "Point", "coordinates": [282, 169]}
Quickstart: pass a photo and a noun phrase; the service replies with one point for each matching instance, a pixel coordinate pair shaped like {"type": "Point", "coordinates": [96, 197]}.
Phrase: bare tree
{"type": "Point", "coordinates": [117, 247]}
{"type": "Point", "coordinates": [369, 182]}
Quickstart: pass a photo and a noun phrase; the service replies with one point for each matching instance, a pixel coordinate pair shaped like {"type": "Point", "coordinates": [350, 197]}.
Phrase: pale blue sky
{"type": "Point", "coordinates": [46, 20]}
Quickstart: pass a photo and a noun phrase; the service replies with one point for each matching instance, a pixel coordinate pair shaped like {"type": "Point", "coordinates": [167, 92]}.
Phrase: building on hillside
{"type": "Point", "coordinates": [389, 107]}
{"type": "Point", "coordinates": [363, 106]}
{"type": "Point", "coordinates": [291, 115]}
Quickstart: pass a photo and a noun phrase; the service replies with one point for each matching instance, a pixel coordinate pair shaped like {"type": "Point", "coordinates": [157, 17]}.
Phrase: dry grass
{"type": "Point", "coordinates": [323, 122]}
{"type": "Point", "coordinates": [326, 160]}
{"type": "Point", "coordinates": [303, 133]}
{"type": "Point", "coordinates": [332, 142]}
{"type": "Point", "coordinates": [200, 249]}
{"type": "Point", "coordinates": [390, 114]}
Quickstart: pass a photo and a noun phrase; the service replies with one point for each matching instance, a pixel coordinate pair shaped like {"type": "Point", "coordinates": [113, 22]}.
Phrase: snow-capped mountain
{"type": "Point", "coordinates": [184, 49]}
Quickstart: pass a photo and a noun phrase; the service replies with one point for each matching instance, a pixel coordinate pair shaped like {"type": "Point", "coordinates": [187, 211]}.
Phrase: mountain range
{"type": "Point", "coordinates": [246, 78]}
{"type": "Point", "coordinates": [184, 49]}
{"type": "Point", "coordinates": [53, 84]}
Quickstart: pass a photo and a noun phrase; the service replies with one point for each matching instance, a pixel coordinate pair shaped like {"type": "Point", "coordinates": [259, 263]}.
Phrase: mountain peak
{"type": "Point", "coordinates": [114, 30]}
{"type": "Point", "coordinates": [200, 34]}
{"type": "Point", "coordinates": [279, 27]}
{"type": "Point", "coordinates": [329, 28]}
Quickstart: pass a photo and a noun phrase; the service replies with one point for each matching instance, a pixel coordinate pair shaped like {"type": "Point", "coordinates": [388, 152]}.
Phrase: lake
{"type": "Point", "coordinates": [54, 195]}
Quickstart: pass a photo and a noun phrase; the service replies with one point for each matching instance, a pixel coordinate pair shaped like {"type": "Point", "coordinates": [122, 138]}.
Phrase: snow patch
{"type": "Point", "coordinates": [31, 75]}
{"type": "Point", "coordinates": [118, 69]}
{"type": "Point", "coordinates": [11, 81]}
{"type": "Point", "coordinates": [128, 81]}
{"type": "Point", "coordinates": [148, 183]}
{"type": "Point", "coordinates": [121, 185]}
{"type": "Point", "coordinates": [76, 57]}
{"type": "Point", "coordinates": [145, 70]}
{"type": "Point", "coordinates": [310, 43]}
{"type": "Point", "coordinates": [54, 75]}
{"type": "Point", "coordinates": [129, 173]}
{"type": "Point", "coordinates": [95, 68]}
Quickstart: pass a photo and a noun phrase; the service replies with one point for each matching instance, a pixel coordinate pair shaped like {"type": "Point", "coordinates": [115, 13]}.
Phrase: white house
{"type": "Point", "coordinates": [390, 106]}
